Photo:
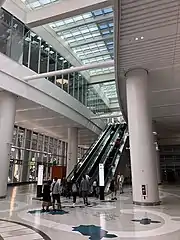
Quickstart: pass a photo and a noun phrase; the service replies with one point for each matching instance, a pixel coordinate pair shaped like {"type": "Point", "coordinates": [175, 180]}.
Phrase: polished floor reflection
{"type": "Point", "coordinates": [22, 218]}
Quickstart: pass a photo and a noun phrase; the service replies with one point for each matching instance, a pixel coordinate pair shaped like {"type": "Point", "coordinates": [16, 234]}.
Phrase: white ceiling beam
{"type": "Point", "coordinates": [89, 56]}
{"type": "Point", "coordinates": [62, 10]}
{"type": "Point", "coordinates": [71, 70]}
{"type": "Point", "coordinates": [109, 77]}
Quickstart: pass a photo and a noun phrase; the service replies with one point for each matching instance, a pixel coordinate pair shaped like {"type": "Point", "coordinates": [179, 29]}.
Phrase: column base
{"type": "Point", "coordinates": [39, 191]}
{"type": "Point", "coordinates": [147, 203]}
{"type": "Point", "coordinates": [101, 189]}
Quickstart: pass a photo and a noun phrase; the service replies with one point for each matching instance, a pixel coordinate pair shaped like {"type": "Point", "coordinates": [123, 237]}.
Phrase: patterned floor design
{"type": "Point", "coordinates": [10, 230]}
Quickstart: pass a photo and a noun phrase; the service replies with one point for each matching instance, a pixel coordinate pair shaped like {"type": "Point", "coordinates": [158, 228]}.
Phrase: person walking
{"type": "Point", "coordinates": [84, 188]}
{"type": "Point", "coordinates": [95, 186]}
{"type": "Point", "coordinates": [113, 189]}
{"type": "Point", "coordinates": [121, 182]}
{"type": "Point", "coordinates": [56, 192]}
{"type": "Point", "coordinates": [46, 196]}
{"type": "Point", "coordinates": [74, 192]}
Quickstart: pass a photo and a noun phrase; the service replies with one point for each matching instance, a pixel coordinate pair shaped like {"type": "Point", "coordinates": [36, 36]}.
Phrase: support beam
{"type": "Point", "coordinates": [110, 77]}
{"type": "Point", "coordinates": [104, 116]}
{"type": "Point", "coordinates": [71, 70]}
{"type": "Point", "coordinates": [62, 10]}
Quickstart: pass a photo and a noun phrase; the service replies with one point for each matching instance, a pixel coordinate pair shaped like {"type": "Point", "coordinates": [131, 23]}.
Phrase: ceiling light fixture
{"type": "Point", "coordinates": [142, 38]}
{"type": "Point", "coordinates": [136, 38]}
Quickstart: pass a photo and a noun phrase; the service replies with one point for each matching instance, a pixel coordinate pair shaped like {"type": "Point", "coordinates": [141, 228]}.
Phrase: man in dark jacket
{"type": "Point", "coordinates": [46, 196]}
{"type": "Point", "coordinates": [84, 188]}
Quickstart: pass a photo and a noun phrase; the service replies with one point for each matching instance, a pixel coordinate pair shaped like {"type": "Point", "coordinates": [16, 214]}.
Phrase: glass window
{"type": "Point", "coordinates": [14, 135]}
{"type": "Point", "coordinates": [51, 145]}
{"type": "Point", "coordinates": [85, 91]}
{"type": "Point", "coordinates": [40, 142]}
{"type": "Point", "coordinates": [21, 136]}
{"type": "Point", "coordinates": [5, 33]}
{"type": "Point", "coordinates": [35, 52]}
{"type": "Point", "coordinates": [66, 77]}
{"type": "Point", "coordinates": [59, 78]}
{"type": "Point", "coordinates": [46, 142]}
{"type": "Point", "coordinates": [26, 47]}
{"type": "Point", "coordinates": [76, 85]}
{"type": "Point", "coordinates": [34, 141]}
{"type": "Point", "coordinates": [44, 67]}
{"type": "Point", "coordinates": [80, 82]}
{"type": "Point", "coordinates": [17, 36]}
{"type": "Point", "coordinates": [71, 84]}
{"type": "Point", "coordinates": [52, 64]}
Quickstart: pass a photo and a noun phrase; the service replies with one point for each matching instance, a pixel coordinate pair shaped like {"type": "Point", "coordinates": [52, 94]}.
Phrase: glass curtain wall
{"type": "Point", "coordinates": [29, 150]}
{"type": "Point", "coordinates": [24, 46]}
{"type": "Point", "coordinates": [94, 102]}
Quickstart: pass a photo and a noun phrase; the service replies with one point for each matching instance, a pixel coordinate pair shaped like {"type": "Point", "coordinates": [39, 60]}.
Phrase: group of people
{"type": "Point", "coordinates": [116, 185]}
{"type": "Point", "coordinates": [52, 192]}
{"type": "Point", "coordinates": [51, 195]}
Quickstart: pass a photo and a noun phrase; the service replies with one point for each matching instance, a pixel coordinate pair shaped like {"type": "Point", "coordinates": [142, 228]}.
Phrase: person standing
{"type": "Point", "coordinates": [121, 182]}
{"type": "Point", "coordinates": [113, 189]}
{"type": "Point", "coordinates": [95, 188]}
{"type": "Point", "coordinates": [56, 192]}
{"type": "Point", "coordinates": [46, 196]}
{"type": "Point", "coordinates": [84, 188]}
{"type": "Point", "coordinates": [74, 192]}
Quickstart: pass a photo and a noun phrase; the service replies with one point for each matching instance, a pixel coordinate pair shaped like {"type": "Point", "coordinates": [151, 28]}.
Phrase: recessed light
{"type": "Point", "coordinates": [136, 38]}
{"type": "Point", "coordinates": [142, 38]}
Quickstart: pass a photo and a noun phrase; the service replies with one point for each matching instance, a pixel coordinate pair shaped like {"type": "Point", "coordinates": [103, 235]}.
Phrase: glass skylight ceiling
{"type": "Point", "coordinates": [90, 36]}
{"type": "Point", "coordinates": [33, 4]}
{"type": "Point", "coordinates": [109, 89]}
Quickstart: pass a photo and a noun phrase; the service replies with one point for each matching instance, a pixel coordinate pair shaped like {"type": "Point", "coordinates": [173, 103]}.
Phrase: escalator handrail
{"type": "Point", "coordinates": [94, 145]}
{"type": "Point", "coordinates": [92, 156]}
{"type": "Point", "coordinates": [104, 146]}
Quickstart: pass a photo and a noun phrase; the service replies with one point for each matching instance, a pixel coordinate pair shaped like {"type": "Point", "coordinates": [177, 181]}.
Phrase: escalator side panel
{"type": "Point", "coordinates": [89, 159]}
{"type": "Point", "coordinates": [93, 168]}
{"type": "Point", "coordinates": [106, 153]}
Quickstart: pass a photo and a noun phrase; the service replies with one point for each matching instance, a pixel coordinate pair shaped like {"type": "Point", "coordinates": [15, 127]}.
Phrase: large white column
{"type": "Point", "coordinates": [7, 118]}
{"type": "Point", "coordinates": [72, 154]}
{"type": "Point", "coordinates": [143, 164]}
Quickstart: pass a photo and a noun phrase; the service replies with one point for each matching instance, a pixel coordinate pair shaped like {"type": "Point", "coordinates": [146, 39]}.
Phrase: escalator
{"type": "Point", "coordinates": [106, 154]}
{"type": "Point", "coordinates": [90, 155]}
{"type": "Point", "coordinates": [116, 160]}
{"type": "Point", "coordinates": [93, 169]}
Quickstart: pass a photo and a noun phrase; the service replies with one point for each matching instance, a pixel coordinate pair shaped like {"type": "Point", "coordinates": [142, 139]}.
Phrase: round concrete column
{"type": "Point", "coordinates": [72, 149]}
{"type": "Point", "coordinates": [7, 118]}
{"type": "Point", "coordinates": [143, 164]}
